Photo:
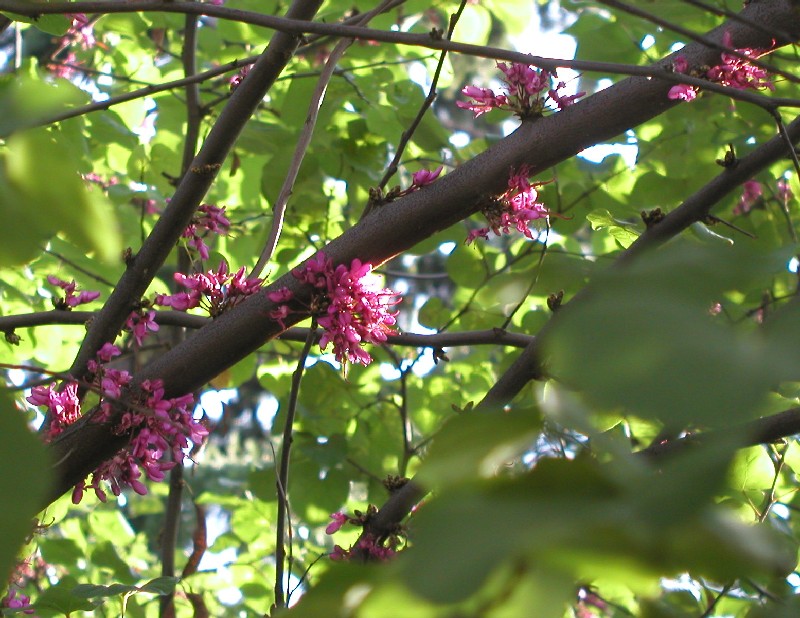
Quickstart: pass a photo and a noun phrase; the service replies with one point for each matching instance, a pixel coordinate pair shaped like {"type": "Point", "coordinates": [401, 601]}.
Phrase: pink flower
{"type": "Point", "coordinates": [424, 177]}
{"type": "Point", "coordinates": [483, 100]}
{"type": "Point", "coordinates": [70, 300]}
{"type": "Point", "coordinates": [339, 554]}
{"type": "Point", "coordinates": [239, 77]}
{"type": "Point", "coordinates": [524, 96]}
{"type": "Point", "coordinates": [516, 208]}
{"type": "Point", "coordinates": [210, 219]}
{"type": "Point", "coordinates": [16, 600]}
{"type": "Point", "coordinates": [682, 92]}
{"type": "Point", "coordinates": [751, 194]}
{"type": "Point", "coordinates": [351, 306]}
{"type": "Point", "coordinates": [64, 407]}
{"type": "Point", "coordinates": [140, 324]}
{"type": "Point", "coordinates": [733, 71]}
{"type": "Point", "coordinates": [680, 64]}
{"type": "Point", "coordinates": [339, 520]}
{"type": "Point", "coordinates": [736, 72]}
{"type": "Point", "coordinates": [162, 433]}
{"type": "Point", "coordinates": [217, 291]}
{"type": "Point", "coordinates": [107, 352]}
{"type": "Point", "coordinates": [81, 30]}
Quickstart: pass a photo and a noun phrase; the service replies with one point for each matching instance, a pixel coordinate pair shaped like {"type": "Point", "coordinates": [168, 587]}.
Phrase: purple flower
{"type": "Point", "coordinates": [349, 303]}
{"type": "Point", "coordinates": [751, 194]}
{"type": "Point", "coordinates": [140, 324]}
{"type": "Point", "coordinates": [515, 208]}
{"type": "Point", "coordinates": [339, 520]}
{"type": "Point", "coordinates": [423, 178]}
{"type": "Point", "coordinates": [217, 291]}
{"type": "Point", "coordinates": [682, 92]}
{"type": "Point", "coordinates": [63, 406]}
{"type": "Point", "coordinates": [70, 300]}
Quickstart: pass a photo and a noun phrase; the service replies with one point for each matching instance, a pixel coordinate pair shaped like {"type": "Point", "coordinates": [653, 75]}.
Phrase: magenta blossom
{"type": "Point", "coordinates": [211, 219]}
{"type": "Point", "coordinates": [216, 291]}
{"type": "Point", "coordinates": [349, 303]}
{"type": "Point", "coordinates": [164, 429]}
{"type": "Point", "coordinates": [70, 300]}
{"type": "Point", "coordinates": [63, 407]}
{"type": "Point", "coordinates": [527, 92]}
{"type": "Point", "coordinates": [339, 520]}
{"type": "Point", "coordinates": [140, 324]}
{"type": "Point", "coordinates": [423, 178]}
{"type": "Point", "coordinates": [733, 71]}
{"type": "Point", "coordinates": [16, 600]}
{"type": "Point", "coordinates": [751, 194]}
{"type": "Point", "coordinates": [516, 208]}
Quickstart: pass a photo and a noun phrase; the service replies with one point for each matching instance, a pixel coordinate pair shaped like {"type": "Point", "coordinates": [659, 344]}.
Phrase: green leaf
{"type": "Point", "coordinates": [24, 484]}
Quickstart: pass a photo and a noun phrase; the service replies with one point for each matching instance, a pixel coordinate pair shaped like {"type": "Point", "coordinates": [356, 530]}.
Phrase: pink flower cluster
{"type": "Point", "coordinates": [16, 600]}
{"type": "Point", "coordinates": [211, 219]}
{"type": "Point", "coordinates": [70, 300]}
{"type": "Point", "coordinates": [239, 77]}
{"type": "Point", "coordinates": [81, 30]}
{"type": "Point", "coordinates": [753, 191]}
{"type": "Point", "coordinates": [527, 92]}
{"type": "Point", "coordinates": [366, 546]}
{"type": "Point", "coordinates": [517, 207]}
{"type": "Point", "coordinates": [141, 323]}
{"type": "Point", "coordinates": [349, 304]}
{"type": "Point", "coordinates": [216, 291]}
{"type": "Point", "coordinates": [734, 72]}
{"type": "Point", "coordinates": [64, 406]}
{"type": "Point", "coordinates": [165, 426]}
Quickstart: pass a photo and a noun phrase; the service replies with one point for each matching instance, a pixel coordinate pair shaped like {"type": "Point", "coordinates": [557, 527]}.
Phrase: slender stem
{"type": "Point", "coordinates": [405, 138]}
{"type": "Point", "coordinates": [279, 208]}
{"type": "Point", "coordinates": [172, 518]}
{"type": "Point", "coordinates": [284, 514]}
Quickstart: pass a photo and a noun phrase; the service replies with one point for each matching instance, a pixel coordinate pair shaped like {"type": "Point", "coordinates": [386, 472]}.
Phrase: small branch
{"type": "Point", "coordinates": [169, 536]}
{"type": "Point", "coordinates": [405, 138]}
{"type": "Point", "coordinates": [279, 208]}
{"type": "Point", "coordinates": [495, 336]}
{"type": "Point", "coordinates": [284, 514]}
{"type": "Point", "coordinates": [793, 155]}
{"type": "Point", "coordinates": [693, 36]}
{"type": "Point", "coordinates": [299, 27]}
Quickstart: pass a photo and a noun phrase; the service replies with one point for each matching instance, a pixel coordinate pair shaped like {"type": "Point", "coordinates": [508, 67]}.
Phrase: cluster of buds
{"type": "Point", "coordinates": [528, 91]}
{"type": "Point", "coordinates": [516, 208]}
{"type": "Point", "coordinates": [349, 304]}
{"type": "Point", "coordinates": [734, 72]}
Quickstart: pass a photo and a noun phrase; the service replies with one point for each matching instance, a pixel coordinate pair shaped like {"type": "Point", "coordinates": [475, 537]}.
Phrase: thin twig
{"type": "Point", "coordinates": [405, 138]}
{"type": "Point", "coordinates": [284, 514]}
{"type": "Point", "coordinates": [793, 155]}
{"type": "Point", "coordinates": [279, 208]}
